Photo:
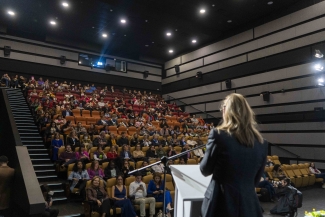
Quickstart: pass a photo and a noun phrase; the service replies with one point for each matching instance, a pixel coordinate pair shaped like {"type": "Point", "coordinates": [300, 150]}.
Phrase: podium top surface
{"type": "Point", "coordinates": [190, 182]}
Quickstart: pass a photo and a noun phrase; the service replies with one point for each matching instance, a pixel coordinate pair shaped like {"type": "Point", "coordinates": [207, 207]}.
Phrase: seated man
{"type": "Point", "coordinates": [123, 140]}
{"type": "Point", "coordinates": [67, 157]}
{"type": "Point", "coordinates": [139, 191]}
{"type": "Point", "coordinates": [100, 140]}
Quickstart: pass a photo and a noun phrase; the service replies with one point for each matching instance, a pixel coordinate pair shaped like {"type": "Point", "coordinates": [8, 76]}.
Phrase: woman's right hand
{"type": "Point", "coordinates": [99, 203]}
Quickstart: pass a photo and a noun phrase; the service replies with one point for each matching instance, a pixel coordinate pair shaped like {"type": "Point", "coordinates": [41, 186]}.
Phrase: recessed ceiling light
{"type": "Point", "coordinates": [65, 4]}
{"type": "Point", "coordinates": [111, 10]}
{"type": "Point", "coordinates": [229, 21]}
{"type": "Point", "coordinates": [104, 35]}
{"type": "Point", "coordinates": [93, 27]}
{"type": "Point", "coordinates": [124, 35]}
{"type": "Point", "coordinates": [168, 34]}
{"type": "Point", "coordinates": [270, 2]}
{"type": "Point", "coordinates": [193, 41]}
{"type": "Point", "coordinates": [146, 21]}
{"type": "Point", "coordinates": [11, 13]}
{"type": "Point", "coordinates": [52, 22]}
{"type": "Point", "coordinates": [147, 45]}
{"type": "Point", "coordinates": [170, 51]}
{"type": "Point", "coordinates": [153, 42]}
{"type": "Point", "coordinates": [202, 11]}
{"type": "Point", "coordinates": [176, 30]}
{"type": "Point", "coordinates": [213, 5]}
{"type": "Point", "coordinates": [123, 21]}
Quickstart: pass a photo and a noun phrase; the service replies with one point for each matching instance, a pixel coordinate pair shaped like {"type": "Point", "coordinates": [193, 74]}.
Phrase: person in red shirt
{"type": "Point", "coordinates": [112, 155]}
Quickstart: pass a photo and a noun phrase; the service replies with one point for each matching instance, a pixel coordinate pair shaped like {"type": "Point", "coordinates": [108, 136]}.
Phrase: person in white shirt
{"type": "Point", "coordinates": [158, 168]}
{"type": "Point", "coordinates": [139, 191]}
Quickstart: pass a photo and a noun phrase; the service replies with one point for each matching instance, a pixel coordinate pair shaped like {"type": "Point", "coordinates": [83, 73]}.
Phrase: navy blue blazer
{"type": "Point", "coordinates": [236, 169]}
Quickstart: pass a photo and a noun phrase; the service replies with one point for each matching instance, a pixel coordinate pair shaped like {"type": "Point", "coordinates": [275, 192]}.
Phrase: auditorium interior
{"type": "Point", "coordinates": [113, 78]}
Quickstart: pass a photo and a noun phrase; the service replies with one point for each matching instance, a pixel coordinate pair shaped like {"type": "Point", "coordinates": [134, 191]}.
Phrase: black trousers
{"type": "Point", "coordinates": [82, 185]}
{"type": "Point", "coordinates": [104, 208]}
{"type": "Point", "coordinates": [51, 213]}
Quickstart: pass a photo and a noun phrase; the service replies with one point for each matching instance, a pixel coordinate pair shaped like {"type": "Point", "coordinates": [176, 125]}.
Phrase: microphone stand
{"type": "Point", "coordinates": [164, 160]}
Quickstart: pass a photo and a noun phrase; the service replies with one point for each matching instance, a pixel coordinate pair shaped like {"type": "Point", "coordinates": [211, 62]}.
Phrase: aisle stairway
{"type": "Point", "coordinates": [31, 138]}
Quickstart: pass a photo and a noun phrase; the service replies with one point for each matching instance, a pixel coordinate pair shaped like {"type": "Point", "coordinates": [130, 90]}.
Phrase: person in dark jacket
{"type": "Point", "coordinates": [111, 171]}
{"type": "Point", "coordinates": [123, 140]}
{"type": "Point", "coordinates": [151, 153]}
{"type": "Point", "coordinates": [67, 112]}
{"type": "Point", "coordinates": [236, 156]}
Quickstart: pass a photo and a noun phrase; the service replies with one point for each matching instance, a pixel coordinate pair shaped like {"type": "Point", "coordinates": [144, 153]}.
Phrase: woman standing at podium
{"type": "Point", "coordinates": [235, 156]}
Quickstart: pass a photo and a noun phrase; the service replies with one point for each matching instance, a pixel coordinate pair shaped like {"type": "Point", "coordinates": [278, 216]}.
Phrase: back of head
{"type": "Point", "coordinates": [239, 120]}
{"type": "Point", "coordinates": [3, 159]}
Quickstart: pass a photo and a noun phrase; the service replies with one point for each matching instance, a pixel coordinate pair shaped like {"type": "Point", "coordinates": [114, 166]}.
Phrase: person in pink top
{"type": "Point", "coordinates": [82, 154]}
{"type": "Point", "coordinates": [95, 170]}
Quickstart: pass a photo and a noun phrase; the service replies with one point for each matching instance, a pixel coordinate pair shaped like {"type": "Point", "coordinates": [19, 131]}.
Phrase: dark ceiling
{"type": "Point", "coordinates": [143, 36]}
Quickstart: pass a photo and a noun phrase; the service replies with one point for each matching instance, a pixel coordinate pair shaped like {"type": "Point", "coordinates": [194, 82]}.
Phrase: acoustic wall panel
{"type": "Point", "coordinates": [296, 138]}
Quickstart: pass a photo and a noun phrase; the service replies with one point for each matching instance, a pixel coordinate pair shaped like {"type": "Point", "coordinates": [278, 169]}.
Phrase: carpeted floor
{"type": "Point", "coordinates": [313, 197]}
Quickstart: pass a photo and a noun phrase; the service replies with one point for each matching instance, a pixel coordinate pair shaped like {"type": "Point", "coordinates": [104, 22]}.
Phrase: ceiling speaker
{"type": "Point", "coordinates": [266, 96]}
{"type": "Point", "coordinates": [62, 60]}
{"type": "Point", "coordinates": [177, 68]}
{"type": "Point", "coordinates": [228, 83]}
{"type": "Point", "coordinates": [199, 75]}
{"type": "Point", "coordinates": [107, 67]}
{"type": "Point", "coordinates": [6, 51]}
{"type": "Point", "coordinates": [145, 74]}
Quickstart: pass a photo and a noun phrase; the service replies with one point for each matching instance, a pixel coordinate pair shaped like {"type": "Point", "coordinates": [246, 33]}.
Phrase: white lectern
{"type": "Point", "coordinates": [189, 190]}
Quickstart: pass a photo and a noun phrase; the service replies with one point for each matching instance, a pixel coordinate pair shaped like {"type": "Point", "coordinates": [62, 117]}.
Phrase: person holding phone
{"type": "Point", "coordinates": [139, 191]}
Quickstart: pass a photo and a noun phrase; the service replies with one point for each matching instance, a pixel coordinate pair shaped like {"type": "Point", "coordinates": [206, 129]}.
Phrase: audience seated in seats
{"type": "Point", "coordinates": [67, 112]}
{"type": "Point", "coordinates": [182, 141]}
{"type": "Point", "coordinates": [164, 142]}
{"type": "Point", "coordinates": [73, 140]}
{"type": "Point", "coordinates": [145, 142]}
{"type": "Point", "coordinates": [111, 171]}
{"type": "Point", "coordinates": [80, 130]}
{"type": "Point", "coordinates": [6, 184]}
{"type": "Point", "coordinates": [6, 79]}
{"type": "Point", "coordinates": [138, 154]}
{"type": "Point", "coordinates": [170, 151]}
{"type": "Point", "coordinates": [82, 154]}
{"type": "Point", "coordinates": [113, 121]}
{"type": "Point", "coordinates": [198, 152]}
{"type": "Point", "coordinates": [188, 155]}
{"type": "Point", "coordinates": [164, 131]}
{"type": "Point", "coordinates": [46, 119]}
{"type": "Point", "coordinates": [47, 194]}
{"type": "Point", "coordinates": [92, 130]}
{"type": "Point", "coordinates": [105, 129]}
{"type": "Point", "coordinates": [181, 161]}
{"type": "Point", "coordinates": [158, 168]}
{"type": "Point", "coordinates": [119, 194]}
{"type": "Point", "coordinates": [174, 141]}
{"type": "Point", "coordinates": [67, 157]}
{"type": "Point", "coordinates": [269, 162]}
{"type": "Point", "coordinates": [264, 183]}
{"type": "Point", "coordinates": [100, 155]}
{"type": "Point", "coordinates": [59, 120]}
{"type": "Point", "coordinates": [51, 130]}
{"type": "Point", "coordinates": [134, 140]}
{"type": "Point", "coordinates": [277, 172]}
{"type": "Point", "coordinates": [102, 121]}
{"type": "Point", "coordinates": [139, 191]}
{"type": "Point", "coordinates": [98, 195]}
{"type": "Point", "coordinates": [87, 141]}
{"type": "Point", "coordinates": [126, 168]}
{"type": "Point", "coordinates": [100, 141]}
{"type": "Point", "coordinates": [56, 144]}
{"type": "Point", "coordinates": [191, 142]}
{"type": "Point", "coordinates": [151, 153]}
{"type": "Point", "coordinates": [67, 128]}
{"type": "Point", "coordinates": [95, 170]}
{"type": "Point", "coordinates": [78, 178]}
{"type": "Point", "coordinates": [160, 151]}
{"type": "Point", "coordinates": [123, 140]}
{"type": "Point", "coordinates": [155, 140]}
{"type": "Point", "coordinates": [125, 153]}
{"type": "Point", "coordinates": [318, 174]}
{"type": "Point", "coordinates": [156, 189]}
{"type": "Point", "coordinates": [112, 141]}
{"type": "Point", "coordinates": [148, 170]}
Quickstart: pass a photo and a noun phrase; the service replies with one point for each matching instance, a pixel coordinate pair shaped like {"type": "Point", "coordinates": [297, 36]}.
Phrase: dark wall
{"type": "Point", "coordinates": [61, 73]}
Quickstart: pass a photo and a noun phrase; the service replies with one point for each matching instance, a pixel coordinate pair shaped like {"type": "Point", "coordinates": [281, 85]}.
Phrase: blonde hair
{"type": "Point", "coordinates": [239, 120]}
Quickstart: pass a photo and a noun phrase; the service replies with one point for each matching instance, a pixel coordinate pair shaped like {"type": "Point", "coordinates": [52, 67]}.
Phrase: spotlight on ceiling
{"type": "Point", "coordinates": [11, 13]}
{"type": "Point", "coordinates": [319, 67]}
{"type": "Point", "coordinates": [104, 35]}
{"type": "Point", "coordinates": [52, 22]}
{"type": "Point", "coordinates": [170, 51]}
{"type": "Point", "coordinates": [123, 21]}
{"type": "Point", "coordinates": [318, 54]}
{"type": "Point", "coordinates": [199, 75]}
{"type": "Point", "coordinates": [168, 34]}
{"type": "Point", "coordinates": [320, 82]}
{"type": "Point", "coordinates": [202, 11]}
{"type": "Point", "coordinates": [193, 41]}
{"type": "Point", "coordinates": [65, 4]}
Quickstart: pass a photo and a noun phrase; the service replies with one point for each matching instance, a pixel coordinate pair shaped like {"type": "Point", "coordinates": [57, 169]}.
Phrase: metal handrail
{"type": "Point", "coordinates": [173, 98]}
{"type": "Point", "coordinates": [297, 156]}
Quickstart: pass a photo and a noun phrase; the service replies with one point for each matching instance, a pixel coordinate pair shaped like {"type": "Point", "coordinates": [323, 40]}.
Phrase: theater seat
{"type": "Point", "coordinates": [305, 171]}
{"type": "Point", "coordinates": [297, 180]}
{"type": "Point", "coordinates": [297, 172]}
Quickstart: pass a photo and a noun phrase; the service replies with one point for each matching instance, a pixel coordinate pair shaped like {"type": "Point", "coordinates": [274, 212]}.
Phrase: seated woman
{"type": "Point", "coordinates": [147, 171]}
{"type": "Point", "coordinates": [156, 189]}
{"type": "Point", "coordinates": [82, 154]}
{"type": "Point", "coordinates": [51, 130]}
{"type": "Point", "coordinates": [121, 200]}
{"type": "Point", "coordinates": [100, 155]}
{"type": "Point", "coordinates": [170, 151]}
{"type": "Point", "coordinates": [112, 141]}
{"type": "Point", "coordinates": [277, 172]}
{"type": "Point", "coordinates": [56, 144]}
{"type": "Point", "coordinates": [134, 140]}
{"type": "Point", "coordinates": [79, 177]}
{"type": "Point", "coordinates": [87, 141]}
{"type": "Point", "coordinates": [155, 140]}
{"type": "Point", "coordinates": [73, 140]}
{"type": "Point", "coordinates": [111, 171]}
{"type": "Point", "coordinates": [126, 168]}
{"type": "Point", "coordinates": [138, 153]}
{"type": "Point", "coordinates": [145, 141]}
{"type": "Point", "coordinates": [95, 170]}
{"type": "Point", "coordinates": [318, 174]}
{"type": "Point", "coordinates": [98, 195]}
{"type": "Point", "coordinates": [92, 130]}
{"type": "Point", "coordinates": [151, 153]}
{"type": "Point", "coordinates": [264, 183]}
